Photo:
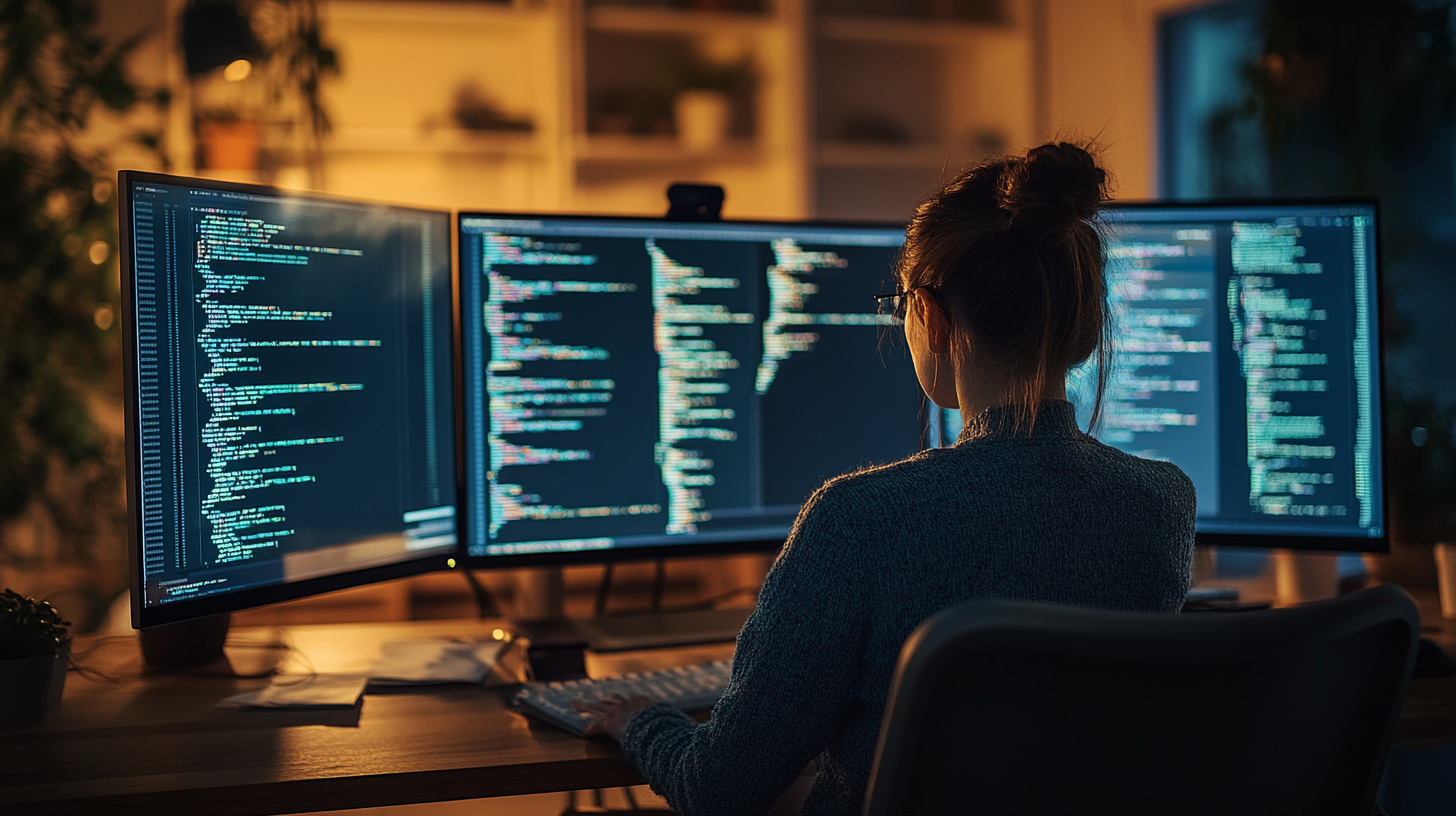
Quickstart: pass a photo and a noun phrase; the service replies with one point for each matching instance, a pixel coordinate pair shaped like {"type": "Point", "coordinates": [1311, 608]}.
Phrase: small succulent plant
{"type": "Point", "coordinates": [30, 628]}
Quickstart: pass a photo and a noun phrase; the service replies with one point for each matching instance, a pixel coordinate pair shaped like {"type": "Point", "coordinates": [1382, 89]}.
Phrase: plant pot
{"type": "Point", "coordinates": [230, 145]}
{"type": "Point", "coordinates": [58, 680]}
{"type": "Point", "coordinates": [28, 686]}
{"type": "Point", "coordinates": [702, 118]}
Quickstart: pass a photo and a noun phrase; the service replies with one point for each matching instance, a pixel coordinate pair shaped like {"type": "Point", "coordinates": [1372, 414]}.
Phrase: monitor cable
{"type": "Point", "coordinates": [603, 590]}
{"type": "Point", "coordinates": [485, 605]}
{"type": "Point", "coordinates": [659, 584]}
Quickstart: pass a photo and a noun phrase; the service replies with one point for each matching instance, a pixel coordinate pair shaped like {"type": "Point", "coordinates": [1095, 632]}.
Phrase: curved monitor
{"type": "Point", "coordinates": [289, 394]}
{"type": "Point", "coordinates": [636, 388]}
{"type": "Point", "coordinates": [1247, 352]}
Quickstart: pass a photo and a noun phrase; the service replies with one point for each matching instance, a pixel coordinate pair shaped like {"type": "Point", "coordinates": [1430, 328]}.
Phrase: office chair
{"type": "Point", "coordinates": [1009, 707]}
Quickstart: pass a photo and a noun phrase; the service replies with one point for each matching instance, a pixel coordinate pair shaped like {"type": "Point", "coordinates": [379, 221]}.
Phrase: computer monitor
{"type": "Point", "coordinates": [290, 409]}
{"type": "Point", "coordinates": [636, 388]}
{"type": "Point", "coordinates": [1247, 352]}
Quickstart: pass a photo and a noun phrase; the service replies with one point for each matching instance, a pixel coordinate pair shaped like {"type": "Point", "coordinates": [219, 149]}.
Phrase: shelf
{"type": "Point", "coordinates": [675, 21]}
{"type": "Point", "coordinates": [908, 32]}
{"type": "Point", "coordinates": [855, 154]}
{"type": "Point", "coordinates": [660, 150]}
{"type": "Point", "coordinates": [454, 141]}
{"type": "Point", "coordinates": [426, 12]}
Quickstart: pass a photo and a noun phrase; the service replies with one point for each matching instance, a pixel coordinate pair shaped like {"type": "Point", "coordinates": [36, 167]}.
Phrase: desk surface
{"type": "Point", "coordinates": [159, 745]}
{"type": "Point", "coordinates": [1429, 716]}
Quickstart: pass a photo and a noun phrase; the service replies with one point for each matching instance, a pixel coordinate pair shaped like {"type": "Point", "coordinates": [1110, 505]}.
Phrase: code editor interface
{"type": "Point", "coordinates": [641, 383]}
{"type": "Point", "coordinates": [1245, 351]}
{"type": "Point", "coordinates": [293, 387]}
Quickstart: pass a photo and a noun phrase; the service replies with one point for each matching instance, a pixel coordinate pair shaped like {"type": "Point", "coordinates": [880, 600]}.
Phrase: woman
{"type": "Point", "coordinates": [1001, 289]}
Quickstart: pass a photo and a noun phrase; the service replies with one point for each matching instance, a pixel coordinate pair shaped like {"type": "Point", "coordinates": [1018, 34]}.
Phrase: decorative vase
{"type": "Point", "coordinates": [701, 118]}
{"type": "Point", "coordinates": [26, 689]}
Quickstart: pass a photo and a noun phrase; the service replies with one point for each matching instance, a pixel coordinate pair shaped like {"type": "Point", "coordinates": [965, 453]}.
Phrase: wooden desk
{"type": "Point", "coordinates": [158, 745]}
{"type": "Point", "coordinates": [1429, 716]}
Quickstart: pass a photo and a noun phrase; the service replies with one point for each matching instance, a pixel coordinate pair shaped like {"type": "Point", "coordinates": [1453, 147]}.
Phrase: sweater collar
{"type": "Point", "coordinates": [1055, 419]}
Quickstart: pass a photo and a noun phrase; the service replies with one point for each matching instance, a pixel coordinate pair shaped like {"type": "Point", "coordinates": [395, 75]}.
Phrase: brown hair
{"type": "Point", "coordinates": [1012, 251]}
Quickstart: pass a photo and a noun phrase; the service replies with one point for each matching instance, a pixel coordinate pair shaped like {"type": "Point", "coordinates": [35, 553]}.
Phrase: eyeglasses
{"type": "Point", "coordinates": [898, 300]}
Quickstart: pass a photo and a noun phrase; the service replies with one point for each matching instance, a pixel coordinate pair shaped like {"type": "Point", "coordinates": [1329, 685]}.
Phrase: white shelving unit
{"type": "Point", "coordinates": [855, 112]}
{"type": "Point", "coordinates": [903, 103]}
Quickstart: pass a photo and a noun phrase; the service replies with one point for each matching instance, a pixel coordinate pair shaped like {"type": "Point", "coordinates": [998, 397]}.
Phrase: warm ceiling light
{"type": "Point", "coordinates": [237, 70]}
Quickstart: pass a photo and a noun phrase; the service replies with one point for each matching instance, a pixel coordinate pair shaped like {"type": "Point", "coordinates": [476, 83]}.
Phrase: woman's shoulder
{"type": "Point", "coordinates": [873, 483]}
{"type": "Point", "coordinates": [1152, 475]}
{"type": "Point", "coordinates": [873, 495]}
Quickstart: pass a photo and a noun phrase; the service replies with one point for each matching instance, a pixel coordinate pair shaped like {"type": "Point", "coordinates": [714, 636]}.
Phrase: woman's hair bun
{"type": "Point", "coordinates": [1056, 184]}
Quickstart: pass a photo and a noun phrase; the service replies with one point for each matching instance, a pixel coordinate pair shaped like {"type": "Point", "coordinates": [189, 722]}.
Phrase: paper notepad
{"type": "Point", "coordinates": [302, 691]}
{"type": "Point", "coordinates": [423, 662]}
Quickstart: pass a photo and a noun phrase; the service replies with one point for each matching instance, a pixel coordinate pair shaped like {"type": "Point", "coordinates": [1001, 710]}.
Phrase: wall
{"type": "Point", "coordinates": [1096, 77]}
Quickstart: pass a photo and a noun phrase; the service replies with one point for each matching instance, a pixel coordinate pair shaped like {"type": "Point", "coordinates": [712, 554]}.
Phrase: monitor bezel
{"type": "Point", "coordinates": [1286, 541]}
{"type": "Point", "coordinates": [143, 616]}
{"type": "Point", "coordinates": [616, 554]}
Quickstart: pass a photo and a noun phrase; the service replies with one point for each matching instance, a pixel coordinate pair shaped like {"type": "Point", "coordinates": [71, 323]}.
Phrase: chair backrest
{"type": "Point", "coordinates": [1011, 707]}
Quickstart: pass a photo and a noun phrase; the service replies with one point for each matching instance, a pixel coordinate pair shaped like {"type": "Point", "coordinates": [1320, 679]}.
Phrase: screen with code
{"type": "Point", "coordinates": [1246, 351]}
{"type": "Point", "coordinates": [291, 386]}
{"type": "Point", "coordinates": [641, 383]}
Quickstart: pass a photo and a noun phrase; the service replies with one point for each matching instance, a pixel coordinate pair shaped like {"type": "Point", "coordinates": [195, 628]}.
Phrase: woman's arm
{"type": "Point", "coordinates": [794, 671]}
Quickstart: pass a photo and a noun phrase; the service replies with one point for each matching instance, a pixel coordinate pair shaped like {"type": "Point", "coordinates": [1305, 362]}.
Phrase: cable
{"type": "Point", "coordinates": [659, 583]}
{"type": "Point", "coordinates": [711, 603]}
{"type": "Point", "coordinates": [604, 589]}
{"type": "Point", "coordinates": [485, 605]}
{"type": "Point", "coordinates": [97, 675]}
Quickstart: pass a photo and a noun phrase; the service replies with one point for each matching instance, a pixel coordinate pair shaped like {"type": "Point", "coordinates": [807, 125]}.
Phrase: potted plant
{"type": "Point", "coordinates": [707, 90]}
{"type": "Point", "coordinates": [62, 513]}
{"type": "Point", "coordinates": [34, 649]}
{"type": "Point", "coordinates": [257, 68]}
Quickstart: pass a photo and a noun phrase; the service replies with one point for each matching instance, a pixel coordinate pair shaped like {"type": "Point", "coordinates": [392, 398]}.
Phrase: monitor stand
{"type": "Point", "coordinates": [655, 630]}
{"type": "Point", "coordinates": [558, 643]}
{"type": "Point", "coordinates": [1301, 577]}
{"type": "Point", "coordinates": [197, 647]}
{"type": "Point", "coordinates": [190, 644]}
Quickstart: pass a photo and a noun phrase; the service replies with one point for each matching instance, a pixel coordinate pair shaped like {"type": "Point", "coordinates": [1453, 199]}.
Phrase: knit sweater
{"type": "Point", "coordinates": [1052, 516]}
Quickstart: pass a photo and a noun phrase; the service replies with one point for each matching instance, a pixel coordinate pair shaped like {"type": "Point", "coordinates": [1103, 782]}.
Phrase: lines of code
{"type": "Point", "coordinates": [153, 520]}
{"type": "Point", "coordinates": [690, 382]}
{"type": "Point", "coordinates": [518, 318]}
{"type": "Point", "coordinates": [1160, 401]}
{"type": "Point", "coordinates": [233, 252]}
{"type": "Point", "coordinates": [616, 372]}
{"type": "Point", "coordinates": [1291, 452]}
{"type": "Point", "coordinates": [789, 293]}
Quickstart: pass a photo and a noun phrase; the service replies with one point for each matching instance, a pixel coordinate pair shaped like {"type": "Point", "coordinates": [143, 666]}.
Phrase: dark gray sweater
{"type": "Point", "coordinates": [1054, 516]}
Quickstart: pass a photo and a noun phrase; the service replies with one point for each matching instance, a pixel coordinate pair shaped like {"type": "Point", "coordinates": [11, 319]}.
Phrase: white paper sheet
{"type": "Point", "coordinates": [424, 662]}
{"type": "Point", "coordinates": [303, 691]}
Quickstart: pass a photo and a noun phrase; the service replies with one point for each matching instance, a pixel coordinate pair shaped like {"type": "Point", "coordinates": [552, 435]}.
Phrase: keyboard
{"type": "Point", "coordinates": [688, 689]}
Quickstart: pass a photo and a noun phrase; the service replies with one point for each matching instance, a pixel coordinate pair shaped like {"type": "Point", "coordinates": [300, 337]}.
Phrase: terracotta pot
{"type": "Point", "coordinates": [28, 687]}
{"type": "Point", "coordinates": [230, 145]}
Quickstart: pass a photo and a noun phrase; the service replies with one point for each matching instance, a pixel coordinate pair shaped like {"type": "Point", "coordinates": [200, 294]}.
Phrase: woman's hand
{"type": "Point", "coordinates": [610, 714]}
